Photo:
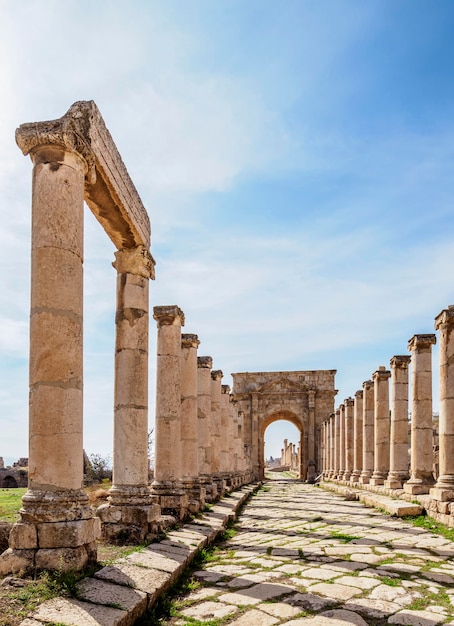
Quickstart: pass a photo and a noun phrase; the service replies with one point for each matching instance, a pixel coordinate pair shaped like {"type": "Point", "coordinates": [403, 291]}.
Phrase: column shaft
{"type": "Point", "coordinates": [357, 436]}
{"type": "Point", "coordinates": [382, 426]}
{"type": "Point", "coordinates": [349, 426]}
{"type": "Point", "coordinates": [398, 453]}
{"type": "Point", "coordinates": [368, 432]}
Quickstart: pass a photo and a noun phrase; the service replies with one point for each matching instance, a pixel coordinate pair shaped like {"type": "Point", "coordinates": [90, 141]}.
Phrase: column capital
{"type": "Point", "coordinates": [217, 374]}
{"type": "Point", "coordinates": [168, 315]}
{"type": "Point", "coordinates": [422, 341]}
{"type": "Point", "coordinates": [445, 318]}
{"type": "Point", "coordinates": [359, 393]}
{"type": "Point", "coordinates": [381, 374]}
{"type": "Point", "coordinates": [368, 384]}
{"type": "Point", "coordinates": [136, 261]}
{"type": "Point", "coordinates": [225, 388]}
{"type": "Point", "coordinates": [349, 402]}
{"type": "Point", "coordinates": [205, 362]}
{"type": "Point", "coordinates": [400, 361]}
{"type": "Point", "coordinates": [189, 340]}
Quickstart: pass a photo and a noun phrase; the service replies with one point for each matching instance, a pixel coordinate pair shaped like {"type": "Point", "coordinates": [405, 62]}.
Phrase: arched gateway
{"type": "Point", "coordinates": [304, 398]}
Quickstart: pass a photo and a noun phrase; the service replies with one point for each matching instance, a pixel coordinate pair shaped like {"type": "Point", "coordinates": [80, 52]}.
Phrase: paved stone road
{"type": "Point", "coordinates": [306, 557]}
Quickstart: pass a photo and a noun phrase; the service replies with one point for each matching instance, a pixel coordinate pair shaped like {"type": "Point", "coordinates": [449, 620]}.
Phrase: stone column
{"type": "Point", "coordinates": [57, 529]}
{"type": "Point", "coordinates": [368, 432]}
{"type": "Point", "coordinates": [349, 425]}
{"type": "Point", "coordinates": [324, 448]}
{"type": "Point", "coordinates": [204, 365]}
{"type": "Point", "coordinates": [398, 451]}
{"type": "Point", "coordinates": [167, 472]}
{"type": "Point", "coordinates": [421, 478]}
{"type": "Point", "coordinates": [341, 442]}
{"type": "Point", "coordinates": [357, 437]}
{"type": "Point", "coordinates": [444, 488]}
{"type": "Point", "coordinates": [130, 515]}
{"type": "Point", "coordinates": [332, 436]}
{"type": "Point", "coordinates": [382, 425]}
{"type": "Point", "coordinates": [311, 465]}
{"type": "Point", "coordinates": [255, 436]}
{"type": "Point", "coordinates": [226, 464]}
{"type": "Point", "coordinates": [189, 424]}
{"type": "Point", "coordinates": [337, 444]}
{"type": "Point", "coordinates": [233, 449]}
{"type": "Point", "coordinates": [216, 394]}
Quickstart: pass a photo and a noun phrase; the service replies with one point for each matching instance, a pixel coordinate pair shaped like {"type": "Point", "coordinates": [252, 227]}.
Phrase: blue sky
{"type": "Point", "coordinates": [296, 161]}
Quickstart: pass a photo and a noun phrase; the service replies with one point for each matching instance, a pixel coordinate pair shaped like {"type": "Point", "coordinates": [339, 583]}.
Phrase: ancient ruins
{"type": "Point", "coordinates": [209, 439]}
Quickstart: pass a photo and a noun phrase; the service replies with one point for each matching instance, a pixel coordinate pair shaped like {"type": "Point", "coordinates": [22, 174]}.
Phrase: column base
{"type": "Point", "coordinates": [196, 494]}
{"type": "Point", "coordinates": [365, 477]}
{"type": "Point", "coordinates": [443, 491]}
{"type": "Point", "coordinates": [395, 480]}
{"type": "Point", "coordinates": [211, 489]}
{"type": "Point", "coordinates": [377, 479]}
{"type": "Point", "coordinates": [172, 498]}
{"type": "Point", "coordinates": [418, 486]}
{"type": "Point", "coordinates": [57, 531]}
{"type": "Point", "coordinates": [220, 485]}
{"type": "Point", "coordinates": [347, 475]}
{"type": "Point", "coordinates": [355, 476]}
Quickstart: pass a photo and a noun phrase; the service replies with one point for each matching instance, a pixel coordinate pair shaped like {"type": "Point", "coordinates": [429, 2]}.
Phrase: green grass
{"type": "Point", "coordinates": [10, 503]}
{"type": "Point", "coordinates": [343, 537]}
{"type": "Point", "coordinates": [437, 528]}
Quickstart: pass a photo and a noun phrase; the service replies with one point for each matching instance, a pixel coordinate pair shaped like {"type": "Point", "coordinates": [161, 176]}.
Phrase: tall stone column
{"type": "Point", "coordinates": [337, 439]}
{"type": "Point", "coordinates": [382, 425]}
{"type": "Point", "coordinates": [342, 446]}
{"type": "Point", "coordinates": [421, 478]}
{"type": "Point", "coordinates": [189, 424]}
{"type": "Point", "coordinates": [204, 365]}
{"type": "Point", "coordinates": [349, 425]}
{"type": "Point", "coordinates": [255, 436]}
{"type": "Point", "coordinates": [398, 452]}
{"type": "Point", "coordinates": [332, 436]}
{"type": "Point", "coordinates": [226, 437]}
{"type": "Point", "coordinates": [57, 528]}
{"type": "Point", "coordinates": [357, 436]}
{"type": "Point", "coordinates": [216, 395]}
{"type": "Point", "coordinates": [167, 484]}
{"type": "Point", "coordinates": [324, 448]}
{"type": "Point", "coordinates": [368, 432]}
{"type": "Point", "coordinates": [444, 488]}
{"type": "Point", "coordinates": [130, 514]}
{"type": "Point", "coordinates": [311, 465]}
{"type": "Point", "coordinates": [233, 448]}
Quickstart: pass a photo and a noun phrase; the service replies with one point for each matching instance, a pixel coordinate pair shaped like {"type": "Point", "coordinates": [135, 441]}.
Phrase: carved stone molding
{"type": "Point", "coordinates": [109, 190]}
{"type": "Point", "coordinates": [188, 340]}
{"type": "Point", "coordinates": [167, 315]}
{"type": "Point", "coordinates": [400, 361]}
{"type": "Point", "coordinates": [136, 261]}
{"type": "Point", "coordinates": [217, 374]}
{"type": "Point", "coordinates": [205, 361]}
{"type": "Point", "coordinates": [422, 341]}
{"type": "Point", "coordinates": [225, 388]}
{"type": "Point", "coordinates": [381, 374]}
{"type": "Point", "coordinates": [445, 318]}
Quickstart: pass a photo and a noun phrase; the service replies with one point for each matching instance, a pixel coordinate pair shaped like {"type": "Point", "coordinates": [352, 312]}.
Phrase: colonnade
{"type": "Point", "coordinates": [385, 439]}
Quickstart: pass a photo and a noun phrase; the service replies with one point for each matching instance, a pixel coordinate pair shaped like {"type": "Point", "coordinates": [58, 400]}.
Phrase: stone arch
{"type": "Point", "coordinates": [298, 422]}
{"type": "Point", "coordinates": [9, 482]}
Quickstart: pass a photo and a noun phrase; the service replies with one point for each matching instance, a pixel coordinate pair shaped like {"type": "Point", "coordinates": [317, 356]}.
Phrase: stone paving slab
{"type": "Point", "coordinates": [135, 582]}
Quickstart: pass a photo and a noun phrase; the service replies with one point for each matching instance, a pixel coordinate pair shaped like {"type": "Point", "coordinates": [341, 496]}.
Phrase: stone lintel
{"type": "Point", "coordinates": [359, 393]}
{"type": "Point", "coordinates": [189, 340]}
{"type": "Point", "coordinates": [168, 315]}
{"type": "Point", "coordinates": [381, 373]}
{"type": "Point", "coordinates": [217, 374]}
{"type": "Point", "coordinates": [225, 388]}
{"type": "Point", "coordinates": [445, 317]}
{"type": "Point", "coordinates": [349, 402]}
{"type": "Point", "coordinates": [400, 361]}
{"type": "Point", "coordinates": [422, 341]}
{"type": "Point", "coordinates": [205, 361]}
{"type": "Point", "coordinates": [136, 261]}
{"type": "Point", "coordinates": [109, 190]}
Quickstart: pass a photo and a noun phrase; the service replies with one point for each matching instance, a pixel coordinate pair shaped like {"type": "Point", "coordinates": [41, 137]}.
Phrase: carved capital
{"type": "Point", "coordinates": [136, 261]}
{"type": "Point", "coordinates": [381, 374]}
{"type": "Point", "coordinates": [400, 361]}
{"type": "Point", "coordinates": [189, 340]}
{"type": "Point", "coordinates": [367, 385]}
{"type": "Point", "coordinates": [225, 388]}
{"type": "Point", "coordinates": [168, 315]}
{"type": "Point", "coordinates": [359, 394]}
{"type": "Point", "coordinates": [421, 342]}
{"type": "Point", "coordinates": [349, 402]}
{"type": "Point", "coordinates": [217, 374]}
{"type": "Point", "coordinates": [205, 362]}
{"type": "Point", "coordinates": [445, 318]}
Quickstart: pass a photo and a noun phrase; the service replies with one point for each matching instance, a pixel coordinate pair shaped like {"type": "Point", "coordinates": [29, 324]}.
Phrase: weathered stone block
{"type": "Point", "coordinates": [23, 537]}
{"type": "Point", "coordinates": [68, 534]}
{"type": "Point", "coordinates": [62, 559]}
{"type": "Point", "coordinates": [15, 561]}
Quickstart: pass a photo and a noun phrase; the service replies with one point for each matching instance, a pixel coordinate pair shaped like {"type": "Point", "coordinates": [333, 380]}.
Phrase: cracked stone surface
{"type": "Point", "coordinates": [302, 556]}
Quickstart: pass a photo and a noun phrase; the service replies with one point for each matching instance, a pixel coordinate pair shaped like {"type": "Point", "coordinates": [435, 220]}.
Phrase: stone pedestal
{"type": "Point", "coordinates": [167, 472]}
{"type": "Point", "coordinates": [189, 424]}
{"type": "Point", "coordinates": [398, 454]}
{"type": "Point", "coordinates": [204, 365]}
{"type": "Point", "coordinates": [421, 477]}
{"type": "Point", "coordinates": [130, 516]}
{"type": "Point", "coordinates": [444, 488]}
{"type": "Point", "coordinates": [349, 425]}
{"type": "Point", "coordinates": [368, 432]}
{"type": "Point", "coordinates": [382, 426]}
{"type": "Point", "coordinates": [357, 437]}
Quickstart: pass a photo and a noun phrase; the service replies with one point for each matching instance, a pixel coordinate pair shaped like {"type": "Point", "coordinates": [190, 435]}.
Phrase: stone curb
{"type": "Point", "coordinates": [118, 594]}
{"type": "Point", "coordinates": [398, 508]}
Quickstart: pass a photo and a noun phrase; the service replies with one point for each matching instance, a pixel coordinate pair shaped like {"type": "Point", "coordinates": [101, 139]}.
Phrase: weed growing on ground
{"type": "Point", "coordinates": [391, 582]}
{"type": "Point", "coordinates": [343, 537]}
{"type": "Point", "coordinates": [437, 528]}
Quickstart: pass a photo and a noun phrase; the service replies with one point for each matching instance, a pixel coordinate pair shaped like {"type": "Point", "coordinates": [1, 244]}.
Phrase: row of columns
{"type": "Point", "coordinates": [366, 441]}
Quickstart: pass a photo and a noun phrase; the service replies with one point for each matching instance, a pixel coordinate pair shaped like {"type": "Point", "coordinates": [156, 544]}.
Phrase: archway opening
{"type": "Point", "coordinates": [10, 482]}
{"type": "Point", "coordinates": [282, 450]}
